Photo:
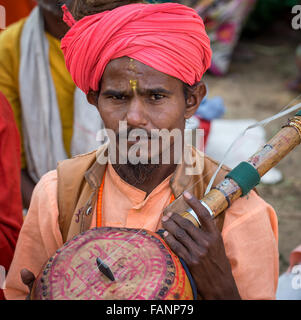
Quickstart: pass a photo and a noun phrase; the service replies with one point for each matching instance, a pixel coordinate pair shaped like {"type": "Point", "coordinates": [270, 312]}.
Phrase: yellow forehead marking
{"type": "Point", "coordinates": [134, 84]}
{"type": "Point", "coordinates": [132, 64]}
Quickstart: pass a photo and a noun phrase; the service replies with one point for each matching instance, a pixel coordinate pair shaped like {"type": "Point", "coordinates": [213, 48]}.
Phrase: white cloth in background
{"type": "Point", "coordinates": [224, 132]}
{"type": "Point", "coordinates": [41, 122]}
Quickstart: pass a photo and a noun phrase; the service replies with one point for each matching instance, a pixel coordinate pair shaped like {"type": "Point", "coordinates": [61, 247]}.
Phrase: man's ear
{"type": "Point", "coordinates": [194, 98]}
{"type": "Point", "coordinates": [92, 98]}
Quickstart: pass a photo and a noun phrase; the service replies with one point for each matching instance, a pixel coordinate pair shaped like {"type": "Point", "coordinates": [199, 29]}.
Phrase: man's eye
{"type": "Point", "coordinates": [156, 96]}
{"type": "Point", "coordinates": [117, 97]}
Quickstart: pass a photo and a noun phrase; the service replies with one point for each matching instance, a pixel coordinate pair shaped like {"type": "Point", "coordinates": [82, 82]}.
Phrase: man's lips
{"type": "Point", "coordinates": [130, 136]}
{"type": "Point", "coordinates": [139, 140]}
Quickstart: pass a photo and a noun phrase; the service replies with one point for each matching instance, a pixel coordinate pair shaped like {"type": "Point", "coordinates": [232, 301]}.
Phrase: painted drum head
{"type": "Point", "coordinates": [142, 264]}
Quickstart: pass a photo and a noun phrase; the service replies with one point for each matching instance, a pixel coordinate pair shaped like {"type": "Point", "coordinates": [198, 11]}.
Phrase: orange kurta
{"type": "Point", "coordinates": [250, 232]}
{"type": "Point", "coordinates": [134, 210]}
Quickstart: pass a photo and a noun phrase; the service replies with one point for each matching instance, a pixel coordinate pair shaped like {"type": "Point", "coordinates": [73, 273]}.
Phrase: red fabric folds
{"type": "Point", "coordinates": [10, 190]}
{"type": "Point", "coordinates": [169, 37]}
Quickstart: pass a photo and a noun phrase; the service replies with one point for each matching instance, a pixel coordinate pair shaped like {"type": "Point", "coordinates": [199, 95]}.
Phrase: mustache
{"type": "Point", "coordinates": [136, 132]}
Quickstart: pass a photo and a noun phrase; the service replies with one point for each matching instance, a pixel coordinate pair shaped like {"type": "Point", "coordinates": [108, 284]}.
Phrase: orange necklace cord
{"type": "Point", "coordinates": [99, 203]}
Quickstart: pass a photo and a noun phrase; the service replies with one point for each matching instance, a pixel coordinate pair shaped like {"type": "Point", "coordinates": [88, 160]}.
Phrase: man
{"type": "Point", "coordinates": [47, 106]}
{"type": "Point", "coordinates": [137, 66]}
{"type": "Point", "coordinates": [10, 191]}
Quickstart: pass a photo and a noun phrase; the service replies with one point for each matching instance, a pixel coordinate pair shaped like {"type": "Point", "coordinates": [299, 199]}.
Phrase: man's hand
{"type": "Point", "coordinates": [203, 251]}
{"type": "Point", "coordinates": [28, 279]}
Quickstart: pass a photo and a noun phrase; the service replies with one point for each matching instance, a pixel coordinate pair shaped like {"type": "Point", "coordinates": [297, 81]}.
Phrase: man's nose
{"type": "Point", "coordinates": [136, 113]}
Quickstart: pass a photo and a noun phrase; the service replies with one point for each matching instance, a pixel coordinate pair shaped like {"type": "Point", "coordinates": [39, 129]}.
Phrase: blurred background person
{"type": "Point", "coordinates": [224, 20]}
{"type": "Point", "coordinates": [16, 10]}
{"type": "Point", "coordinates": [53, 116]}
{"type": "Point", "coordinates": [10, 189]}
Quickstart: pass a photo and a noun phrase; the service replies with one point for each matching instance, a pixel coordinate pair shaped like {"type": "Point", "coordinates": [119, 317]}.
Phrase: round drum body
{"type": "Point", "coordinates": [143, 266]}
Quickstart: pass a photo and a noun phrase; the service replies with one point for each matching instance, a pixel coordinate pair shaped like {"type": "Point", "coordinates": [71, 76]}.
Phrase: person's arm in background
{"type": "Point", "coordinates": [39, 237]}
{"type": "Point", "coordinates": [27, 186]}
{"type": "Point", "coordinates": [9, 86]}
{"type": "Point", "coordinates": [10, 193]}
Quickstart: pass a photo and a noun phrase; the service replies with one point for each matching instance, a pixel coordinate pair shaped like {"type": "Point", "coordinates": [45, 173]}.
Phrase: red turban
{"type": "Point", "coordinates": [169, 37]}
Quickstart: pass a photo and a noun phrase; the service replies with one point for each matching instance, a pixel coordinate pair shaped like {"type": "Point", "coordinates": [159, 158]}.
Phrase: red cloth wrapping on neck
{"type": "Point", "coordinates": [168, 37]}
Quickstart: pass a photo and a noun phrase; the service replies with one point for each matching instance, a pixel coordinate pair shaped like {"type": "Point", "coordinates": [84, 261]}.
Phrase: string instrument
{"type": "Point", "coordinates": [132, 264]}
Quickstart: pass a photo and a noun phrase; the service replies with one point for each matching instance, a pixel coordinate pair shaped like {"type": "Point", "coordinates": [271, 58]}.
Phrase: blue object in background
{"type": "Point", "coordinates": [210, 109]}
{"type": "Point", "coordinates": [285, 290]}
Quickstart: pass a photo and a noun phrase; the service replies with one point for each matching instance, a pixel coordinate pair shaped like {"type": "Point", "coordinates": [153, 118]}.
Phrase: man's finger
{"type": "Point", "coordinates": [177, 231]}
{"type": "Point", "coordinates": [197, 234]}
{"type": "Point", "coordinates": [28, 278]}
{"type": "Point", "coordinates": [175, 245]}
{"type": "Point", "coordinates": [201, 212]}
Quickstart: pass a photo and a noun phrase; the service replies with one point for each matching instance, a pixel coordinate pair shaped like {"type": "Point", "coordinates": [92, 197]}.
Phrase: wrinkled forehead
{"type": "Point", "coordinates": [121, 72]}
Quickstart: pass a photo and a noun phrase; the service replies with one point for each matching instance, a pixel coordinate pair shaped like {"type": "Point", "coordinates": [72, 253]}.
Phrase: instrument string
{"type": "Point", "coordinates": [284, 111]}
{"type": "Point", "coordinates": [95, 272]}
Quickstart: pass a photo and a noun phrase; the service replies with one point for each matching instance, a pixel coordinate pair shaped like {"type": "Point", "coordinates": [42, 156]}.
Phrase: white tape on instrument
{"type": "Point", "coordinates": [208, 208]}
{"type": "Point", "coordinates": [195, 215]}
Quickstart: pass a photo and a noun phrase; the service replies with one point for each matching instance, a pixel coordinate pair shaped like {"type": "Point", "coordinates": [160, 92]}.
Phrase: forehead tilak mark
{"type": "Point", "coordinates": [132, 67]}
{"type": "Point", "coordinates": [134, 84]}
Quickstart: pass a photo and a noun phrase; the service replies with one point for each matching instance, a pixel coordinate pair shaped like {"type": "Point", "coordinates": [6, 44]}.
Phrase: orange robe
{"type": "Point", "coordinates": [250, 232]}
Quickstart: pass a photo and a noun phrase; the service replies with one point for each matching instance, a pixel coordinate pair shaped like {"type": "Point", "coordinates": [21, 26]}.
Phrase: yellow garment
{"type": "Point", "coordinates": [9, 80]}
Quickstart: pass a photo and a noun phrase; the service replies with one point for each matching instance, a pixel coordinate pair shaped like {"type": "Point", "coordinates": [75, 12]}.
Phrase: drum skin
{"type": "Point", "coordinates": [143, 265]}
